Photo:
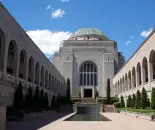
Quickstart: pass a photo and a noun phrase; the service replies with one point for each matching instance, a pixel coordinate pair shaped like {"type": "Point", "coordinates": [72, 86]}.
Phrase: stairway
{"type": "Point", "coordinates": [108, 108]}
{"type": "Point", "coordinates": [88, 101]}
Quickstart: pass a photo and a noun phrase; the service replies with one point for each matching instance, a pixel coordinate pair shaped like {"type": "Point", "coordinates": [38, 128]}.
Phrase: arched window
{"type": "Point", "coordinates": [2, 48]}
{"type": "Point", "coordinates": [139, 74]}
{"type": "Point", "coordinates": [37, 67]}
{"type": "Point", "coordinates": [22, 64]}
{"type": "Point", "coordinates": [133, 77]}
{"type": "Point", "coordinates": [42, 76]}
{"type": "Point", "coordinates": [12, 58]}
{"type": "Point", "coordinates": [46, 79]}
{"type": "Point", "coordinates": [152, 65]}
{"type": "Point", "coordinates": [145, 70]}
{"type": "Point", "coordinates": [30, 69]}
{"type": "Point", "coordinates": [88, 74]}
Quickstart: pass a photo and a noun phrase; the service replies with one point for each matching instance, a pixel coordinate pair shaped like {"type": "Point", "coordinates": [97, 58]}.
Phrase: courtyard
{"type": "Point", "coordinates": [55, 121]}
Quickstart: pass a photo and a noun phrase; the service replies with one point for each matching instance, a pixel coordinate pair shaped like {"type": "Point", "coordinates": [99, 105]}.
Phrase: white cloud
{"type": "Point", "coordinates": [129, 41]}
{"type": "Point", "coordinates": [58, 13]}
{"type": "Point", "coordinates": [146, 33]}
{"type": "Point", "coordinates": [48, 7]}
{"type": "Point", "coordinates": [48, 41]}
{"type": "Point", "coordinates": [64, 0]}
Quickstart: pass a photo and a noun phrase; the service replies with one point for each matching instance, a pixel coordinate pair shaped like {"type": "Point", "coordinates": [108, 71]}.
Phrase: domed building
{"type": "Point", "coordinates": [89, 59]}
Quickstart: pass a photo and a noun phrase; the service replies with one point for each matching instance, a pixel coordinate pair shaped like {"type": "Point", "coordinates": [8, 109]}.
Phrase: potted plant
{"type": "Point", "coordinates": [152, 116]}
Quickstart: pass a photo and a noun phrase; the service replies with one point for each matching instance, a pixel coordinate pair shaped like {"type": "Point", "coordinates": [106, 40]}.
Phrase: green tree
{"type": "Point", "coordinates": [129, 101]}
{"type": "Point", "coordinates": [18, 97]}
{"type": "Point", "coordinates": [108, 91]}
{"type": "Point", "coordinates": [133, 100]}
{"type": "Point", "coordinates": [96, 94]}
{"type": "Point", "coordinates": [29, 99]}
{"type": "Point", "coordinates": [68, 89]}
{"type": "Point", "coordinates": [46, 101]}
{"type": "Point", "coordinates": [41, 98]}
{"type": "Point", "coordinates": [36, 98]}
{"type": "Point", "coordinates": [138, 99]}
{"type": "Point", "coordinates": [148, 102]}
{"type": "Point", "coordinates": [122, 102]}
{"type": "Point", "coordinates": [153, 98]}
{"type": "Point", "coordinates": [53, 101]}
{"type": "Point", "coordinates": [144, 98]}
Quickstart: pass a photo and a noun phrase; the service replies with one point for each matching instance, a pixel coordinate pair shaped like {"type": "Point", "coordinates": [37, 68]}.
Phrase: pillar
{"type": "Point", "coordinates": [2, 116]}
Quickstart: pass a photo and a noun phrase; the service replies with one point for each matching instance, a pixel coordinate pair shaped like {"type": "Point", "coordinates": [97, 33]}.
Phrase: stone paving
{"type": "Point", "coordinates": [54, 121]}
{"type": "Point", "coordinates": [119, 122]}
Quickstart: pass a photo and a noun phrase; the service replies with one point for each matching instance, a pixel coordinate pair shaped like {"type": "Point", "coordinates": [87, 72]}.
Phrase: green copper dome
{"type": "Point", "coordinates": [94, 32]}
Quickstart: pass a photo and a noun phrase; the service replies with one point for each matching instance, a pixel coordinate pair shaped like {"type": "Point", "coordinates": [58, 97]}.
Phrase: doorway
{"type": "Point", "coordinates": [88, 93]}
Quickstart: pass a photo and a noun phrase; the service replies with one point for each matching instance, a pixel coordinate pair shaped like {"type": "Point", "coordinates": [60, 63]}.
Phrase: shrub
{"type": "Point", "coordinates": [117, 104]}
{"type": "Point", "coordinates": [18, 97]}
{"type": "Point", "coordinates": [138, 99]}
{"type": "Point", "coordinates": [108, 91]}
{"type": "Point", "coordinates": [118, 110]}
{"type": "Point", "coordinates": [36, 98]}
{"type": "Point", "coordinates": [113, 100]}
{"type": "Point", "coordinates": [129, 101]}
{"type": "Point", "coordinates": [133, 100]}
{"type": "Point", "coordinates": [29, 99]}
{"type": "Point", "coordinates": [152, 116]}
{"type": "Point", "coordinates": [153, 98]}
{"type": "Point", "coordinates": [144, 98]}
{"type": "Point", "coordinates": [122, 102]}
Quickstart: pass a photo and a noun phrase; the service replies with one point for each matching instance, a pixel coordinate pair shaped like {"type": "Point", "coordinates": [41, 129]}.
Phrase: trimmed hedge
{"type": "Point", "coordinates": [117, 104]}
{"type": "Point", "coordinates": [138, 110]}
{"type": "Point", "coordinates": [103, 100]}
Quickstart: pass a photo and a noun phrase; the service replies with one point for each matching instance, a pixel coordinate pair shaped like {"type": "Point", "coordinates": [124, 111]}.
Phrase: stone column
{"type": "Point", "coordinates": [93, 92]}
{"type": "Point", "coordinates": [82, 92]}
{"type": "Point", "coordinates": [2, 116]}
{"type": "Point", "coordinates": [142, 76]}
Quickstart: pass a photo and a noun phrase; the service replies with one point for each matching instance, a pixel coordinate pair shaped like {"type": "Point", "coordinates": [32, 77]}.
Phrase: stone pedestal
{"type": "Point", "coordinates": [2, 116]}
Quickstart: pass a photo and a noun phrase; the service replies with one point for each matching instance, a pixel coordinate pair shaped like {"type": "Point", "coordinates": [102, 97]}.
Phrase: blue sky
{"type": "Point", "coordinates": [47, 22]}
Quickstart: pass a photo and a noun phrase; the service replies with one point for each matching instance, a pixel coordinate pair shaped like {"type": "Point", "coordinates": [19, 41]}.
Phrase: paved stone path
{"type": "Point", "coordinates": [54, 121]}
{"type": "Point", "coordinates": [34, 123]}
{"type": "Point", "coordinates": [119, 122]}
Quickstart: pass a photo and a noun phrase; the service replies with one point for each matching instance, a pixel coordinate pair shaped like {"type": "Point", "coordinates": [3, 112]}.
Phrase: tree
{"type": "Point", "coordinates": [53, 101]}
{"type": "Point", "coordinates": [42, 98]}
{"type": "Point", "coordinates": [129, 101]}
{"type": "Point", "coordinates": [46, 101]}
{"type": "Point", "coordinates": [18, 97]}
{"type": "Point", "coordinates": [133, 100]}
{"type": "Point", "coordinates": [36, 98]}
{"type": "Point", "coordinates": [144, 98]}
{"type": "Point", "coordinates": [68, 89]}
{"type": "Point", "coordinates": [153, 98]}
{"type": "Point", "coordinates": [28, 99]}
{"type": "Point", "coordinates": [96, 94]}
{"type": "Point", "coordinates": [138, 99]}
{"type": "Point", "coordinates": [108, 91]}
{"type": "Point", "coordinates": [122, 102]}
{"type": "Point", "coordinates": [148, 102]}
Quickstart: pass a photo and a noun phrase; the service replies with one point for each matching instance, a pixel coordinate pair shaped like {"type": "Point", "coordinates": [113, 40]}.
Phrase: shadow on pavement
{"type": "Point", "coordinates": [35, 122]}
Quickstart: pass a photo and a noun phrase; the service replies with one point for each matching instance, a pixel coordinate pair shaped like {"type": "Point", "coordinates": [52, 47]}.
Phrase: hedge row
{"type": "Point", "coordinates": [147, 110]}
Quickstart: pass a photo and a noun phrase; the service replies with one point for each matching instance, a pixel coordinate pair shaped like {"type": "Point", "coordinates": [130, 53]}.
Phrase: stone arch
{"type": "Point", "coordinates": [46, 79]}
{"type": "Point", "coordinates": [37, 68]}
{"type": "Point", "coordinates": [22, 64]}
{"type": "Point", "coordinates": [12, 58]}
{"type": "Point", "coordinates": [152, 65]}
{"type": "Point", "coordinates": [133, 77]}
{"type": "Point", "coordinates": [145, 70]}
{"type": "Point", "coordinates": [2, 48]}
{"type": "Point", "coordinates": [42, 76]}
{"type": "Point", "coordinates": [30, 69]}
{"type": "Point", "coordinates": [88, 74]}
{"type": "Point", "coordinates": [139, 79]}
